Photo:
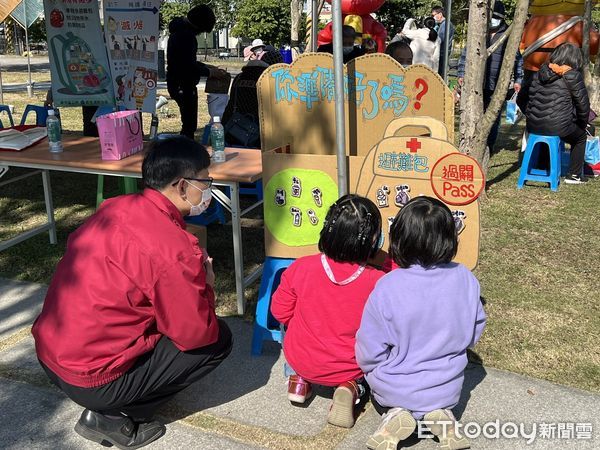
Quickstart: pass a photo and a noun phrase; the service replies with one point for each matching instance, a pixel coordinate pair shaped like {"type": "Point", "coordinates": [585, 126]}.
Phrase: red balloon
{"type": "Point", "coordinates": [360, 7]}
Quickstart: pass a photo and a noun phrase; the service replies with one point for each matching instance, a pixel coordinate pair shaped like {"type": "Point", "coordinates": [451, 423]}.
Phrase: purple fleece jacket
{"type": "Point", "coordinates": [414, 335]}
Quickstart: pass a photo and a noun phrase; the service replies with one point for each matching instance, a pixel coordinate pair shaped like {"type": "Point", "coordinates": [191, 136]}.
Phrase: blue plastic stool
{"type": "Point", "coordinates": [41, 114]}
{"type": "Point", "coordinates": [214, 213]}
{"type": "Point", "coordinates": [266, 328]}
{"type": "Point", "coordinates": [255, 189]}
{"type": "Point", "coordinates": [10, 117]}
{"type": "Point", "coordinates": [528, 170]}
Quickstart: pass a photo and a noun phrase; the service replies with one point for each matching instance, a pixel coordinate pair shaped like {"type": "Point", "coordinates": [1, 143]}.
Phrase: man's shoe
{"type": "Point", "coordinates": [575, 179]}
{"type": "Point", "coordinates": [123, 433]}
{"type": "Point", "coordinates": [299, 390]}
{"type": "Point", "coordinates": [443, 426]}
{"type": "Point", "coordinates": [397, 425]}
{"type": "Point", "coordinates": [345, 397]}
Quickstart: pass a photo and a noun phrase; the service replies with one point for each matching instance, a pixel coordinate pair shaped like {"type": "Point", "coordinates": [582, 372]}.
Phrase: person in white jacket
{"type": "Point", "coordinates": [424, 42]}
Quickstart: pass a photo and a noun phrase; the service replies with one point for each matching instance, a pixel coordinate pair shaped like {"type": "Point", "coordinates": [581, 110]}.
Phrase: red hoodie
{"type": "Point", "coordinates": [130, 274]}
{"type": "Point", "coordinates": [322, 318]}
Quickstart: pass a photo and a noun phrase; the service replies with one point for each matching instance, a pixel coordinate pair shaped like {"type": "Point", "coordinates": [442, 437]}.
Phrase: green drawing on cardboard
{"type": "Point", "coordinates": [296, 203]}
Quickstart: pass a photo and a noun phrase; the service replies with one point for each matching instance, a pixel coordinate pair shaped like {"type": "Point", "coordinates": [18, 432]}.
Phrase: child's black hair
{"type": "Point", "coordinates": [351, 230]}
{"type": "Point", "coordinates": [423, 233]}
{"type": "Point", "coordinates": [567, 54]}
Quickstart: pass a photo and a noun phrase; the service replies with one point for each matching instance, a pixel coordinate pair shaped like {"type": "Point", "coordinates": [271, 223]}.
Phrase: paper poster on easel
{"type": "Point", "coordinates": [131, 30]}
{"type": "Point", "coordinates": [297, 102]}
{"type": "Point", "coordinates": [78, 60]}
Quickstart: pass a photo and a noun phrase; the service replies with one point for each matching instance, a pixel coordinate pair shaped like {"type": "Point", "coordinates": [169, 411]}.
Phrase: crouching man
{"type": "Point", "coordinates": [129, 317]}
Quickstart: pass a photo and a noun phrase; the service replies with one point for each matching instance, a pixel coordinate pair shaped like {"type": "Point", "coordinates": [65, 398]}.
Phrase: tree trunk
{"type": "Point", "coordinates": [595, 94]}
{"type": "Point", "coordinates": [296, 9]}
{"type": "Point", "coordinates": [312, 27]}
{"type": "Point", "coordinates": [585, 44]}
{"type": "Point", "coordinates": [475, 126]}
{"type": "Point", "coordinates": [471, 104]}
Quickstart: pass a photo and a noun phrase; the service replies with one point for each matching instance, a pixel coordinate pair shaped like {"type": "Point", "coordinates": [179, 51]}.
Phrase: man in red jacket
{"type": "Point", "coordinates": [129, 317]}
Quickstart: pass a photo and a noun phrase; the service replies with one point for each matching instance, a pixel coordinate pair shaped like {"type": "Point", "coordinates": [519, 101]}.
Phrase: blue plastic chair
{"type": "Point", "coordinates": [266, 328]}
{"type": "Point", "coordinates": [530, 173]}
{"type": "Point", "coordinates": [41, 114]}
{"type": "Point", "coordinates": [10, 117]}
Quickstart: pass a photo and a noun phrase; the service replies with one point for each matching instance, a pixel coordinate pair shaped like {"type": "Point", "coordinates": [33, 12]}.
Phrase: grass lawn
{"type": "Point", "coordinates": [538, 261]}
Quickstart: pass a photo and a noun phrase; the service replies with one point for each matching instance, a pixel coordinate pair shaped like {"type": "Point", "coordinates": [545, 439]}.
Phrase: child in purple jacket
{"type": "Point", "coordinates": [416, 328]}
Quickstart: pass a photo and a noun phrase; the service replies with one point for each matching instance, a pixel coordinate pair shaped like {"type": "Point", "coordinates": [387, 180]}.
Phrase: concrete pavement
{"type": "Point", "coordinates": [243, 403]}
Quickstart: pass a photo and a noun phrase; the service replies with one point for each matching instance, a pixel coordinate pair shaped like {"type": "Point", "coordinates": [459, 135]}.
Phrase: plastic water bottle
{"type": "Point", "coordinates": [154, 126]}
{"type": "Point", "coordinates": [217, 140]}
{"type": "Point", "coordinates": [53, 129]}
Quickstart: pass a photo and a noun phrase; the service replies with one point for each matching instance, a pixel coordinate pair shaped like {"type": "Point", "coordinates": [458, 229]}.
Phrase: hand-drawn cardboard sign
{"type": "Point", "coordinates": [399, 168]}
{"type": "Point", "coordinates": [297, 104]}
{"type": "Point", "coordinates": [396, 169]}
{"type": "Point", "coordinates": [457, 179]}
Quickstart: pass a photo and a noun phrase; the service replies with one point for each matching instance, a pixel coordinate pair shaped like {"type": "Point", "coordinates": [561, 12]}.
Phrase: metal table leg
{"type": "Point", "coordinates": [49, 205]}
{"type": "Point", "coordinates": [238, 254]}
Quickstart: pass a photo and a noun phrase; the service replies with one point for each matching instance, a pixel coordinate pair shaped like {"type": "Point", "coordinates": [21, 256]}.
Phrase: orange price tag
{"type": "Point", "coordinates": [457, 179]}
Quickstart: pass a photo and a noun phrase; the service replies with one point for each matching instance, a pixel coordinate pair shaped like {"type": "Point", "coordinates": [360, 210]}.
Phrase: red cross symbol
{"type": "Point", "coordinates": [414, 145]}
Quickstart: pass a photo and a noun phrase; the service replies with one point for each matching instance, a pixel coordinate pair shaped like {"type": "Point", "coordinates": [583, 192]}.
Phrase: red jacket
{"type": "Point", "coordinates": [130, 274]}
{"type": "Point", "coordinates": [322, 318]}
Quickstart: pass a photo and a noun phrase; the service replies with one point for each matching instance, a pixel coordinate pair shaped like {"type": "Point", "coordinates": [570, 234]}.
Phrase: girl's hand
{"type": "Point", "coordinates": [210, 274]}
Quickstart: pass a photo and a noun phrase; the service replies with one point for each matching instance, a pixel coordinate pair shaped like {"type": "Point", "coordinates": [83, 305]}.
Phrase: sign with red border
{"type": "Point", "coordinates": [457, 179]}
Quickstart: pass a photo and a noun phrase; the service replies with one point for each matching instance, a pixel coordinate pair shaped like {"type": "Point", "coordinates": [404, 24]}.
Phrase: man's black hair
{"type": "Point", "coordinates": [170, 159]}
{"type": "Point", "coordinates": [438, 9]}
{"type": "Point", "coordinates": [423, 233]}
{"type": "Point", "coordinates": [567, 54]}
{"type": "Point", "coordinates": [202, 18]}
{"type": "Point", "coordinates": [351, 230]}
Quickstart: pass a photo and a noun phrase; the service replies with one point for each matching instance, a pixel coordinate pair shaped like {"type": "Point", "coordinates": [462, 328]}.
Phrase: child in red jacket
{"type": "Point", "coordinates": [320, 300]}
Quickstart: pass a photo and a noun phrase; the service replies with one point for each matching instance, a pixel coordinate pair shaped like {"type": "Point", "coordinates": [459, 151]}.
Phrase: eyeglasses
{"type": "Point", "coordinates": [207, 181]}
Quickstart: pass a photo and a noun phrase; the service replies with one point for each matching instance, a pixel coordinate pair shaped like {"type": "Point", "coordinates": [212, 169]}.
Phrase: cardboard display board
{"type": "Point", "coordinates": [297, 104]}
{"type": "Point", "coordinates": [400, 168]}
{"type": "Point", "coordinates": [396, 169]}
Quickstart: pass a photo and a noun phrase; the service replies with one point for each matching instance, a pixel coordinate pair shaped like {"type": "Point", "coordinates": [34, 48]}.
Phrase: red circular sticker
{"type": "Point", "coordinates": [457, 179]}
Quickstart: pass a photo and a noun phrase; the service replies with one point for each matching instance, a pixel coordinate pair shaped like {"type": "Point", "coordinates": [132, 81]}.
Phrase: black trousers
{"type": "Point", "coordinates": [493, 136]}
{"type": "Point", "coordinates": [187, 100]}
{"type": "Point", "coordinates": [577, 139]}
{"type": "Point", "coordinates": [153, 380]}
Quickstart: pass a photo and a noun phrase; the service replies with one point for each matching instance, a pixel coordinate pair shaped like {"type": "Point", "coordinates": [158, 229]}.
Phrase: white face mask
{"type": "Point", "coordinates": [495, 23]}
{"type": "Point", "coordinates": [198, 209]}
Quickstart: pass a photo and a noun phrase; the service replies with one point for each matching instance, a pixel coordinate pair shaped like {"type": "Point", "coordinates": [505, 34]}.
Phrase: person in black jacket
{"type": "Point", "coordinates": [556, 103]}
{"type": "Point", "coordinates": [496, 31]}
{"type": "Point", "coordinates": [183, 70]}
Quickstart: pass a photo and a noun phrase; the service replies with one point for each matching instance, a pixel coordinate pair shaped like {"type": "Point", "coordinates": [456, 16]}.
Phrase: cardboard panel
{"type": "Point", "coordinates": [400, 168]}
{"type": "Point", "coordinates": [395, 169]}
{"type": "Point", "coordinates": [297, 102]}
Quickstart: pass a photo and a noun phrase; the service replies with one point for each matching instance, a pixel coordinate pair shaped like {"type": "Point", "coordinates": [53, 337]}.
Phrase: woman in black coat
{"type": "Point", "coordinates": [556, 103]}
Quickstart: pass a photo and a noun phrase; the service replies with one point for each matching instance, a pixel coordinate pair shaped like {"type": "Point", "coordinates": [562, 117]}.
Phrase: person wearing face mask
{"type": "Point", "coordinates": [496, 31]}
{"type": "Point", "coordinates": [129, 317]}
{"type": "Point", "coordinates": [437, 12]}
{"type": "Point", "coordinates": [350, 50]}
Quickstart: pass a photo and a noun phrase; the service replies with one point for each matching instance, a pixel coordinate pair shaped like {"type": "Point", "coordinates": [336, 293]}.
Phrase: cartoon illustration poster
{"type": "Point", "coordinates": [78, 60]}
{"type": "Point", "coordinates": [131, 32]}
